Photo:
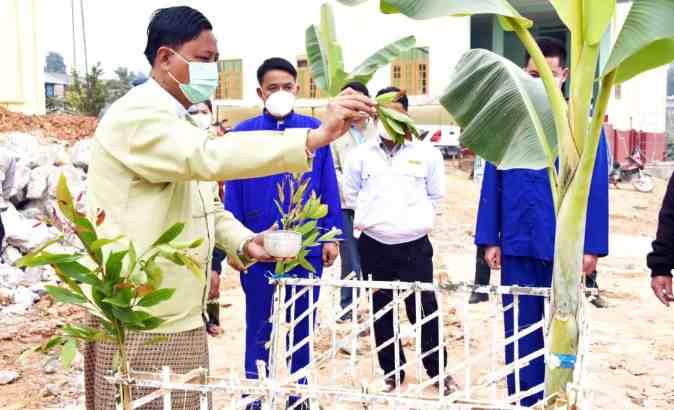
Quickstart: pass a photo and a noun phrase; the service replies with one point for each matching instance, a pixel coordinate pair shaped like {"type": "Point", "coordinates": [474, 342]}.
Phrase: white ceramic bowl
{"type": "Point", "coordinates": [283, 244]}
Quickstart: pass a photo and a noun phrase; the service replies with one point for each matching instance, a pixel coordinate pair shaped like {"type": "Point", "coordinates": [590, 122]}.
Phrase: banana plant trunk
{"type": "Point", "coordinates": [566, 278]}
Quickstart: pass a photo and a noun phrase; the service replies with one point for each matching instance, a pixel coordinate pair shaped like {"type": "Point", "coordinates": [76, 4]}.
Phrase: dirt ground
{"type": "Point", "coordinates": [631, 362]}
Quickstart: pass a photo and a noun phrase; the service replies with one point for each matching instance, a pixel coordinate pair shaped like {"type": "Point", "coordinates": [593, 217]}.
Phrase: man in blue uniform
{"type": "Point", "coordinates": [516, 224]}
{"type": "Point", "coordinates": [252, 202]}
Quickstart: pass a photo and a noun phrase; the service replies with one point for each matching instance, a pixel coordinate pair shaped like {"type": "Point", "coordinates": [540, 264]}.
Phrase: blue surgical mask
{"type": "Point", "coordinates": [203, 80]}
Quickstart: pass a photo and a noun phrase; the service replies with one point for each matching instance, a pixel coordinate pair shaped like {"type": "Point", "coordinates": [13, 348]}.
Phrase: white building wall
{"type": "Point", "coordinates": [21, 70]}
{"type": "Point", "coordinates": [361, 31]}
{"type": "Point", "coordinates": [643, 99]}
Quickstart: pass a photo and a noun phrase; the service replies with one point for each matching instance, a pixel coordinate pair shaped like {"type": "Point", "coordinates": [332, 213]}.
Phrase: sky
{"type": "Point", "coordinates": [116, 31]}
{"type": "Point", "coordinates": [252, 30]}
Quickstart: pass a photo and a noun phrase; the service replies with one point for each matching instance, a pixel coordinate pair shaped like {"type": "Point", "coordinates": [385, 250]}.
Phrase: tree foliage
{"type": "Point", "coordinates": [121, 85]}
{"type": "Point", "coordinates": [88, 95]}
{"type": "Point", "coordinates": [54, 63]}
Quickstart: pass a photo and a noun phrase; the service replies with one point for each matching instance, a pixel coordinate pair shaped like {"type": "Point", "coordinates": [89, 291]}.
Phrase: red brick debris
{"type": "Point", "coordinates": [65, 127]}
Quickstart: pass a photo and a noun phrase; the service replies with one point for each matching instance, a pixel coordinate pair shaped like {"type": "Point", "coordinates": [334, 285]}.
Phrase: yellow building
{"type": "Point", "coordinates": [308, 88]}
{"type": "Point", "coordinates": [409, 72]}
{"type": "Point", "coordinates": [230, 86]}
{"type": "Point", "coordinates": [22, 68]}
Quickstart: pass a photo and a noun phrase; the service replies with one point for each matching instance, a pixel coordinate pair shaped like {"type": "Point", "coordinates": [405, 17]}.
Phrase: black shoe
{"type": "Point", "coordinates": [598, 301]}
{"type": "Point", "coordinates": [390, 382]}
{"type": "Point", "coordinates": [477, 298]}
{"type": "Point", "coordinates": [450, 386]}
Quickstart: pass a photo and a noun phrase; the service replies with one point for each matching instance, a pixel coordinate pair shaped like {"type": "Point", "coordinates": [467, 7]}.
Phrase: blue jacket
{"type": "Point", "coordinates": [517, 212]}
{"type": "Point", "coordinates": [252, 200]}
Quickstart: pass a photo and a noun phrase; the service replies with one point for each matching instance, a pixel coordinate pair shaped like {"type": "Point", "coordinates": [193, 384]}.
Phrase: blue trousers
{"type": "Point", "coordinates": [532, 272]}
{"type": "Point", "coordinates": [348, 250]}
{"type": "Point", "coordinates": [259, 298]}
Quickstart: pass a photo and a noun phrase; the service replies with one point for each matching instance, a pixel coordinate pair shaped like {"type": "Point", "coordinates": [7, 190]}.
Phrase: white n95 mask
{"type": "Point", "coordinates": [202, 120]}
{"type": "Point", "coordinates": [280, 103]}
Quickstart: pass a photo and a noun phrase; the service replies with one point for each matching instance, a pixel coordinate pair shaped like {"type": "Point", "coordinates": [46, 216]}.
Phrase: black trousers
{"type": "Point", "coordinates": [482, 271]}
{"type": "Point", "coordinates": [407, 262]}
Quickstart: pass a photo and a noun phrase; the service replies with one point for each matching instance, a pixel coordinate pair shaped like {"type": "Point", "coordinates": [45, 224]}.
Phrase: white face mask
{"type": "Point", "coordinates": [382, 131]}
{"type": "Point", "coordinates": [280, 103]}
{"type": "Point", "coordinates": [202, 120]}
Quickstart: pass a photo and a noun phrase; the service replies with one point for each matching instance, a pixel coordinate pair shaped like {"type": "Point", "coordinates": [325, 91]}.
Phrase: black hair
{"type": "Point", "coordinates": [402, 100]}
{"type": "Point", "coordinates": [275, 63]}
{"type": "Point", "coordinates": [208, 104]}
{"type": "Point", "coordinates": [357, 86]}
{"type": "Point", "coordinates": [551, 47]}
{"type": "Point", "coordinates": [173, 27]}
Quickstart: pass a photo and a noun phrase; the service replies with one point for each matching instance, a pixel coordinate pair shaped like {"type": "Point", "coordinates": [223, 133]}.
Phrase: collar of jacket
{"type": "Point", "coordinates": [273, 120]}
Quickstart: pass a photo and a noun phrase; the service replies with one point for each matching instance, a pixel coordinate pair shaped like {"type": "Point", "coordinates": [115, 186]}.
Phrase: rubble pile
{"type": "Point", "coordinates": [30, 167]}
{"type": "Point", "coordinates": [64, 127]}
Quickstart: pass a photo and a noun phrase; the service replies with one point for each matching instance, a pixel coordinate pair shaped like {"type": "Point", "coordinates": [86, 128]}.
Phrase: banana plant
{"type": "Point", "coordinates": [115, 286]}
{"type": "Point", "coordinates": [327, 62]}
{"type": "Point", "coordinates": [517, 122]}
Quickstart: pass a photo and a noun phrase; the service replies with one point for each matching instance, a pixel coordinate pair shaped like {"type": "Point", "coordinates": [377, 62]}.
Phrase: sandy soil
{"type": "Point", "coordinates": [632, 351]}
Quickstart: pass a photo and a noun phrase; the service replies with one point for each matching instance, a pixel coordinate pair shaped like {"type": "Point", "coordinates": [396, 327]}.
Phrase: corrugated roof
{"type": "Point", "coordinates": [56, 78]}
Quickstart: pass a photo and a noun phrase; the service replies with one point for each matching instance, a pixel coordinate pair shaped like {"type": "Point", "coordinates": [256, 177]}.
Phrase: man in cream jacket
{"type": "Point", "coordinates": [151, 167]}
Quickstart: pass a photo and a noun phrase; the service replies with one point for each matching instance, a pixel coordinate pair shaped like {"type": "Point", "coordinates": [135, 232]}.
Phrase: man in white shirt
{"type": "Point", "coordinates": [361, 131]}
{"type": "Point", "coordinates": [395, 190]}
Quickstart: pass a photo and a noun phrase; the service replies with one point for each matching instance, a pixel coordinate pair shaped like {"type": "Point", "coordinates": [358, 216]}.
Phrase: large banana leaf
{"type": "Point", "coordinates": [364, 72]}
{"type": "Point", "coordinates": [646, 41]}
{"type": "Point", "coordinates": [504, 113]}
{"type": "Point", "coordinates": [588, 18]}
{"type": "Point", "coordinates": [426, 9]}
{"type": "Point", "coordinates": [328, 36]}
{"type": "Point", "coordinates": [318, 57]}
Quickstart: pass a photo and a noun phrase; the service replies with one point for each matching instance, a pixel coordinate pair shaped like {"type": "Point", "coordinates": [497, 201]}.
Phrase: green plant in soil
{"type": "Point", "coordinates": [517, 122]}
{"type": "Point", "coordinates": [301, 216]}
{"type": "Point", "coordinates": [114, 286]}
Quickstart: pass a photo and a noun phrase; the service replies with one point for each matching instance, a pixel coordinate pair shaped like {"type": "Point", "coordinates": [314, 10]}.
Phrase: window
{"type": "Point", "coordinates": [423, 79]}
{"type": "Point", "coordinates": [49, 90]}
{"type": "Point", "coordinates": [230, 79]}
{"type": "Point", "coordinates": [396, 72]}
{"type": "Point", "coordinates": [302, 63]}
{"type": "Point", "coordinates": [313, 90]}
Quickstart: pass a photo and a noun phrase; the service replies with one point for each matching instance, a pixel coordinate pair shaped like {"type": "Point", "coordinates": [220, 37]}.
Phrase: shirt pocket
{"type": "Point", "coordinates": [414, 174]}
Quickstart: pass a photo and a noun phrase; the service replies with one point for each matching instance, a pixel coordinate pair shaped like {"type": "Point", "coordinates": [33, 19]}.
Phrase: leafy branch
{"type": "Point", "coordinates": [120, 285]}
{"type": "Point", "coordinates": [301, 216]}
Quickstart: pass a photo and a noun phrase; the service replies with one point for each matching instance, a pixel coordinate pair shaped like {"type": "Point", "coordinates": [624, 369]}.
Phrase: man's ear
{"type": "Point", "coordinates": [163, 58]}
{"type": "Point", "coordinates": [297, 89]}
{"type": "Point", "coordinates": [565, 74]}
{"type": "Point", "coordinates": [259, 93]}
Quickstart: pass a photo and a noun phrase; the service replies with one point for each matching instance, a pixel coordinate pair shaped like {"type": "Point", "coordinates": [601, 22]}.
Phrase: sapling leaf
{"type": "Point", "coordinates": [68, 352]}
{"type": "Point", "coordinates": [45, 258]}
{"type": "Point", "coordinates": [306, 265]}
{"type": "Point", "coordinates": [100, 243]}
{"type": "Point", "coordinates": [65, 296]}
{"type": "Point", "coordinates": [73, 285]}
{"type": "Point", "coordinates": [387, 98]}
{"type": "Point", "coordinates": [156, 297]}
{"type": "Point", "coordinates": [143, 290]}
{"type": "Point", "coordinates": [154, 273]}
{"type": "Point", "coordinates": [307, 227]}
{"type": "Point", "coordinates": [170, 234]}
{"type": "Point", "coordinates": [113, 266]}
{"type": "Point", "coordinates": [330, 235]}
{"type": "Point", "coordinates": [83, 332]}
{"type": "Point", "coordinates": [78, 272]}
{"type": "Point", "coordinates": [122, 298]}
